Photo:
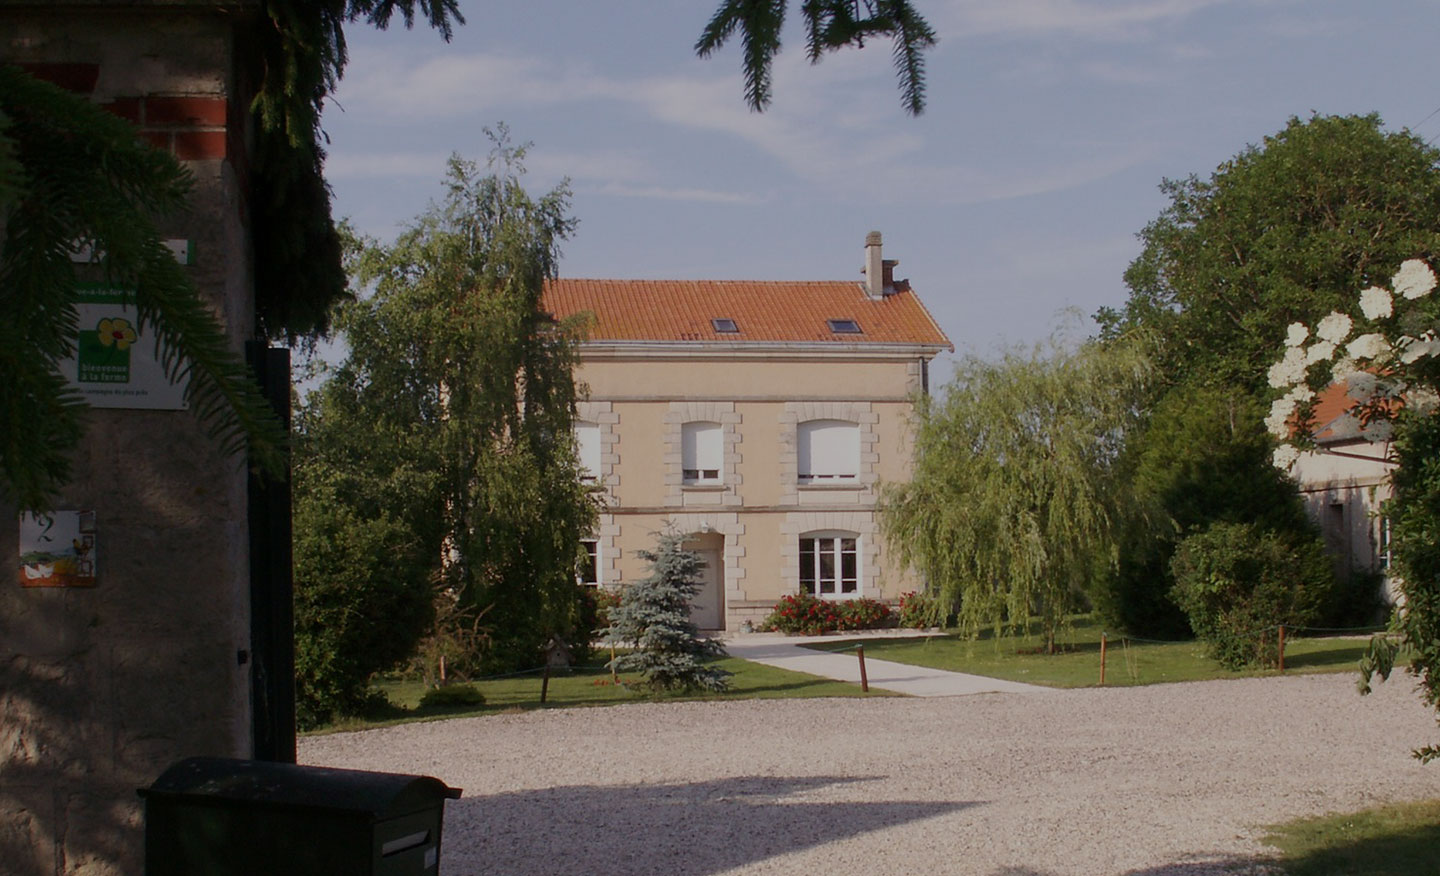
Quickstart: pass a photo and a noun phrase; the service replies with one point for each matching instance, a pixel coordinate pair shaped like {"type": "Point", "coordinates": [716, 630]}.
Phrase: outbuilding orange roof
{"type": "Point", "coordinates": [684, 310]}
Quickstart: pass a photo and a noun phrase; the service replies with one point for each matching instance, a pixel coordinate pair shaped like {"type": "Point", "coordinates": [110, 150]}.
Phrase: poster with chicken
{"type": "Point", "coordinates": [57, 549]}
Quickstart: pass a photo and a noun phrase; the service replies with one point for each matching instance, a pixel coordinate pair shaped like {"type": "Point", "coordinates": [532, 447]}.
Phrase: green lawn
{"type": "Point", "coordinates": [1401, 840]}
{"type": "Point", "coordinates": [591, 686]}
{"type": "Point", "coordinates": [1077, 663]}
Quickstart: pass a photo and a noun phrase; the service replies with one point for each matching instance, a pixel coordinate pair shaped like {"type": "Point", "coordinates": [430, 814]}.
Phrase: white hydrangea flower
{"type": "Point", "coordinates": [1278, 423]}
{"type": "Point", "coordinates": [1414, 279]}
{"type": "Point", "coordinates": [1343, 368]}
{"type": "Point", "coordinates": [1423, 400]}
{"type": "Point", "coordinates": [1284, 457]}
{"type": "Point", "coordinates": [1319, 352]}
{"type": "Point", "coordinates": [1296, 334]}
{"type": "Point", "coordinates": [1361, 386]}
{"type": "Point", "coordinates": [1371, 346]}
{"type": "Point", "coordinates": [1416, 349]}
{"type": "Point", "coordinates": [1334, 328]}
{"type": "Point", "coordinates": [1301, 394]}
{"type": "Point", "coordinates": [1290, 370]}
{"type": "Point", "coordinates": [1345, 426]}
{"type": "Point", "coordinates": [1376, 303]}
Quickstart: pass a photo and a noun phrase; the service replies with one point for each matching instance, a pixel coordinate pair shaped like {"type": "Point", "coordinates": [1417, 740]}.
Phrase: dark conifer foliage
{"type": "Point", "coordinates": [654, 615]}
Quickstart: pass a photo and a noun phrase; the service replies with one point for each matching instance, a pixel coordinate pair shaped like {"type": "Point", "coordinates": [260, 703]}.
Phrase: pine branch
{"type": "Point", "coordinates": [760, 22]}
{"type": "Point", "coordinates": [88, 178]}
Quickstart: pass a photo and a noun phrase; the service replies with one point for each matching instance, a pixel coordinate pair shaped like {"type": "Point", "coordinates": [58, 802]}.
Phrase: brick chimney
{"type": "Point", "coordinates": [879, 272]}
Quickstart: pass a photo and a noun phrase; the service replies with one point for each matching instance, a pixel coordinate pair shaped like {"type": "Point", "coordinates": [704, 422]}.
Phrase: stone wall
{"type": "Point", "coordinates": [101, 688]}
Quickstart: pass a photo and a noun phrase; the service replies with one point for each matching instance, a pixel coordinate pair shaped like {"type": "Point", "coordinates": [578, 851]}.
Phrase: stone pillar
{"type": "Point", "coordinates": [101, 688]}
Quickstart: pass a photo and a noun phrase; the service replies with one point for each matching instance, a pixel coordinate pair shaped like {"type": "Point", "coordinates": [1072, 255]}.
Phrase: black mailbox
{"type": "Point", "coordinates": [212, 816]}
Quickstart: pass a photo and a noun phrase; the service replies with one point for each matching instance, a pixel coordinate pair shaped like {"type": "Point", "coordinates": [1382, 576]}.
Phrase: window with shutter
{"type": "Point", "coordinates": [828, 452]}
{"type": "Point", "coordinates": [701, 452]}
{"type": "Point", "coordinates": [587, 446]}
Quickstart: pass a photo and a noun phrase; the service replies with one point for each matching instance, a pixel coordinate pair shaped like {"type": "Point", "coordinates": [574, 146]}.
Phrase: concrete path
{"type": "Point", "coordinates": [788, 652]}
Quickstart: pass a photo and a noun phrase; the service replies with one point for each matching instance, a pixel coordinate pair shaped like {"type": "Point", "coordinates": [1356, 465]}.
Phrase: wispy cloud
{"type": "Point", "coordinates": [709, 196]}
{"type": "Point", "coordinates": [345, 164]}
{"type": "Point", "coordinates": [837, 125]}
{"type": "Point", "coordinates": [1104, 19]}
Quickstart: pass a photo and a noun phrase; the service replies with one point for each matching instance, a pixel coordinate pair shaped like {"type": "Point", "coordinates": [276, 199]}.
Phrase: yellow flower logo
{"type": "Point", "coordinates": [117, 332]}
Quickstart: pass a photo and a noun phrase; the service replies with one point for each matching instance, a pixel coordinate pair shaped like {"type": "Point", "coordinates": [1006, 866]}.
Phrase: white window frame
{"type": "Point", "coordinates": [587, 450]}
{"type": "Point", "coordinates": [840, 552]}
{"type": "Point", "coordinates": [702, 452]}
{"type": "Point", "coordinates": [592, 549]}
{"type": "Point", "coordinates": [827, 452]}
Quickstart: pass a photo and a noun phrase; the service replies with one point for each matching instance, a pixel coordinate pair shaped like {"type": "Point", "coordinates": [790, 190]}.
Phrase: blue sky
{"type": "Point", "coordinates": [1018, 194]}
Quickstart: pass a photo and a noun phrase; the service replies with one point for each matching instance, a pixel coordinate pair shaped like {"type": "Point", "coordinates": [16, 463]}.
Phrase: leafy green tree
{"type": "Point", "coordinates": [1414, 521]}
{"type": "Point", "coordinates": [1014, 499]}
{"type": "Point", "coordinates": [654, 615]}
{"type": "Point", "coordinates": [452, 413]}
{"type": "Point", "coordinates": [1202, 457]}
{"type": "Point", "coordinates": [1238, 583]}
{"type": "Point", "coordinates": [1285, 231]}
{"type": "Point", "coordinates": [361, 602]}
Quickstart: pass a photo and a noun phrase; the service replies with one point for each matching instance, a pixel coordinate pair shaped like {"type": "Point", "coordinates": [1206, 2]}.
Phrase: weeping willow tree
{"type": "Point", "coordinates": [1014, 497]}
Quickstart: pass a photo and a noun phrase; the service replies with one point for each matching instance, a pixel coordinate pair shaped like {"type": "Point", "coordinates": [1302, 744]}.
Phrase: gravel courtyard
{"type": "Point", "coordinates": [1169, 779]}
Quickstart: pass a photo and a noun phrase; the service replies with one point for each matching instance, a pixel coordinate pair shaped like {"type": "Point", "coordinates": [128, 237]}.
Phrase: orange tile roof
{"type": "Point", "coordinates": [681, 310]}
{"type": "Point", "coordinates": [1330, 403]}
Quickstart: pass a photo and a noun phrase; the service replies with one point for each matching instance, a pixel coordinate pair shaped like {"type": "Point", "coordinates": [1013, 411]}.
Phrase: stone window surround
{"type": "Point", "coordinates": [607, 567]}
{"type": "Point", "coordinates": [865, 528]}
{"type": "Point", "coordinates": [722, 412]}
{"type": "Point", "coordinates": [603, 415]}
{"type": "Point", "coordinates": [795, 413]}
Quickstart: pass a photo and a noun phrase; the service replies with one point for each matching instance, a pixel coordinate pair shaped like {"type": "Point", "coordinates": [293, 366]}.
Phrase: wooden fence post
{"type": "Point", "coordinates": [1102, 659]}
{"type": "Point", "coordinates": [864, 680]}
{"type": "Point", "coordinates": [545, 683]}
{"type": "Point", "coordinates": [1282, 647]}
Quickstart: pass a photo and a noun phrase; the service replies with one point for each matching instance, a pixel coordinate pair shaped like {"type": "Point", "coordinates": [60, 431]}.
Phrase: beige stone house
{"type": "Point", "coordinates": [1344, 481]}
{"type": "Point", "coordinates": [758, 418]}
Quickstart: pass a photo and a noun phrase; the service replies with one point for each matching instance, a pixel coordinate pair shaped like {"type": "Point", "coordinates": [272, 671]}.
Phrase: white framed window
{"type": "Point", "coordinates": [589, 572]}
{"type": "Point", "coordinates": [830, 564]}
{"type": "Point", "coordinates": [701, 452]}
{"type": "Point", "coordinates": [587, 449]}
{"type": "Point", "coordinates": [828, 451]}
{"type": "Point", "coordinates": [1384, 552]}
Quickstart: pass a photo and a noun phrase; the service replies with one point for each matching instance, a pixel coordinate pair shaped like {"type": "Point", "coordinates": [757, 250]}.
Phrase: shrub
{"type": "Point", "coordinates": [811, 616]}
{"type": "Point", "coordinates": [804, 614]}
{"type": "Point", "coordinates": [865, 614]}
{"type": "Point", "coordinates": [1237, 583]}
{"type": "Point", "coordinates": [596, 604]}
{"type": "Point", "coordinates": [919, 611]}
{"type": "Point", "coordinates": [452, 696]}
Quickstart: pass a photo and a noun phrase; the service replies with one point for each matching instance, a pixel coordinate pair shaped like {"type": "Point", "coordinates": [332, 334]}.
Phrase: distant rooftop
{"type": "Point", "coordinates": [697, 310]}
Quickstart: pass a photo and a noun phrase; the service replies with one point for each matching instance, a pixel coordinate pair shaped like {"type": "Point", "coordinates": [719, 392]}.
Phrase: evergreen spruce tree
{"type": "Point", "coordinates": [654, 614]}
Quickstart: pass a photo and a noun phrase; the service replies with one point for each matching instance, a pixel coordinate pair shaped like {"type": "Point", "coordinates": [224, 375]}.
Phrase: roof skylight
{"type": "Point", "coordinates": [844, 326]}
{"type": "Point", "coordinates": [725, 326]}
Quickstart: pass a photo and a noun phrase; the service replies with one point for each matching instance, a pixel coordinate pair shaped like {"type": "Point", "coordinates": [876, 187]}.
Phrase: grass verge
{"type": "Point", "coordinates": [591, 686]}
{"type": "Point", "coordinates": [1077, 661]}
{"type": "Point", "coordinates": [1401, 840]}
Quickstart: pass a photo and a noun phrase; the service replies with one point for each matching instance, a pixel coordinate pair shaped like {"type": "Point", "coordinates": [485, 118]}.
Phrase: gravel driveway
{"type": "Point", "coordinates": [1167, 779]}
